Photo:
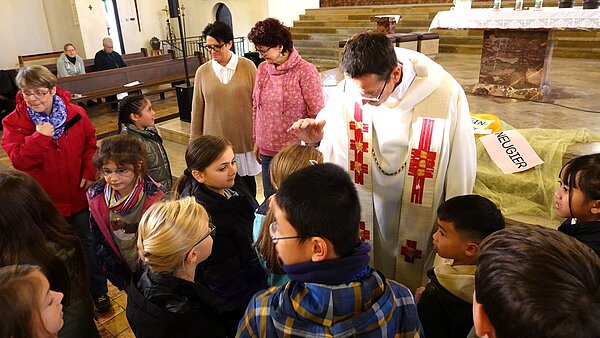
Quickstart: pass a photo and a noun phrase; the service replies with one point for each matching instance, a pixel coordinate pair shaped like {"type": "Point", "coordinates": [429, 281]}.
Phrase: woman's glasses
{"type": "Point", "coordinates": [215, 47]}
{"type": "Point", "coordinates": [263, 52]}
{"type": "Point", "coordinates": [38, 94]}
{"type": "Point", "coordinates": [211, 233]}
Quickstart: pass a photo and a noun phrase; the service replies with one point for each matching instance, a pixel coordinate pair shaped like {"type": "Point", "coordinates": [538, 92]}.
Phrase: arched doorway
{"type": "Point", "coordinates": [224, 14]}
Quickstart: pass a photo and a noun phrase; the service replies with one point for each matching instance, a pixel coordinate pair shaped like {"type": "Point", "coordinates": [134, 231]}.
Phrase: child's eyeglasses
{"type": "Point", "coordinates": [119, 172]}
{"type": "Point", "coordinates": [273, 231]}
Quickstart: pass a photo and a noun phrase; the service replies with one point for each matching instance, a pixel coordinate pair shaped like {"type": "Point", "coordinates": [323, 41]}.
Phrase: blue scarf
{"type": "Point", "coordinates": [57, 118]}
{"type": "Point", "coordinates": [333, 272]}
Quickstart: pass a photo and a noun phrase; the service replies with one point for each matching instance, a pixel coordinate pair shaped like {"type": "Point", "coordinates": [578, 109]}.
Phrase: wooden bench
{"type": "Point", "coordinates": [39, 58]}
{"type": "Point", "coordinates": [111, 82]}
{"type": "Point", "coordinates": [130, 59]}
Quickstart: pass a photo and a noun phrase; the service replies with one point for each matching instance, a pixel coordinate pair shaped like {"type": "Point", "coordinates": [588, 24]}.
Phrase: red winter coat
{"type": "Point", "coordinates": [57, 165]}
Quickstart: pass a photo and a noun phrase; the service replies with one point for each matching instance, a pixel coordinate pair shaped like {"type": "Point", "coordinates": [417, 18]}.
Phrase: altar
{"type": "Point", "coordinates": [517, 45]}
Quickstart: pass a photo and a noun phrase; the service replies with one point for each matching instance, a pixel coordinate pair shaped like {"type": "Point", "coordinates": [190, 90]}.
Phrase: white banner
{"type": "Point", "coordinates": [510, 151]}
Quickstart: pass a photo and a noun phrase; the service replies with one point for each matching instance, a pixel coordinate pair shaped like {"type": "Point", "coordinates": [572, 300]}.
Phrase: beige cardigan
{"type": "Point", "coordinates": [224, 109]}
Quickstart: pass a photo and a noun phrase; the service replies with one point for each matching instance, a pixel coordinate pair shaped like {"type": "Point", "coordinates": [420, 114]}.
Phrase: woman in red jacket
{"type": "Point", "coordinates": [54, 141]}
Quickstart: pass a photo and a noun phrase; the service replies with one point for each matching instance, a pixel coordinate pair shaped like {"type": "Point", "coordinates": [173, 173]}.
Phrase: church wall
{"type": "Point", "coordinates": [25, 31]}
{"type": "Point", "coordinates": [151, 23]}
{"type": "Point", "coordinates": [244, 15]}
{"type": "Point", "coordinates": [288, 11]}
{"type": "Point", "coordinates": [62, 26]}
{"type": "Point", "coordinates": [92, 26]}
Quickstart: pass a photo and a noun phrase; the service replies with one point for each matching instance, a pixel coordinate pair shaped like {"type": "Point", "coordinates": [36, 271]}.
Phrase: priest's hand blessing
{"type": "Point", "coordinates": [308, 130]}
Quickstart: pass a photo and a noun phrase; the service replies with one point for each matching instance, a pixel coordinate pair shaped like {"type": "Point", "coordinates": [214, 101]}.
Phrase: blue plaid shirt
{"type": "Point", "coordinates": [373, 307]}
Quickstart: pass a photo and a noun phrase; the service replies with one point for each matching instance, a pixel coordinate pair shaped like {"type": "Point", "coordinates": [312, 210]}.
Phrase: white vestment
{"type": "Point", "coordinates": [401, 230]}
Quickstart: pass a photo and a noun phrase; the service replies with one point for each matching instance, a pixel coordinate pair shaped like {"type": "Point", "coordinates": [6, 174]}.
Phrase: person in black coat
{"type": "Point", "coordinates": [163, 301]}
{"type": "Point", "coordinates": [107, 58]}
{"type": "Point", "coordinates": [232, 271]}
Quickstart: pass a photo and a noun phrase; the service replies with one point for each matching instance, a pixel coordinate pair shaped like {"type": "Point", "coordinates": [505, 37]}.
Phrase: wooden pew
{"type": "Point", "coordinates": [36, 58]}
{"type": "Point", "coordinates": [132, 59]}
{"type": "Point", "coordinates": [111, 82]}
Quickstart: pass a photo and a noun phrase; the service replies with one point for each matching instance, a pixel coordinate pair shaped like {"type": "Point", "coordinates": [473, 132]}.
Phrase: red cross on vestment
{"type": "Point", "coordinates": [422, 162]}
{"type": "Point", "coordinates": [358, 146]}
{"type": "Point", "coordinates": [410, 251]}
{"type": "Point", "coordinates": [364, 233]}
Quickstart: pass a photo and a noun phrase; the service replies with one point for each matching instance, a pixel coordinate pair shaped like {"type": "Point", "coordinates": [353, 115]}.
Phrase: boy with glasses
{"type": "Point", "coordinates": [401, 124]}
{"type": "Point", "coordinates": [333, 291]}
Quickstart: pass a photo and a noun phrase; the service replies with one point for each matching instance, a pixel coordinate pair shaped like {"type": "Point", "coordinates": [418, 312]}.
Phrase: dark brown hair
{"type": "Point", "coordinates": [538, 282]}
{"type": "Point", "coordinates": [121, 149]}
{"type": "Point", "coordinates": [200, 154]}
{"type": "Point", "coordinates": [19, 302]}
{"type": "Point", "coordinates": [582, 172]}
{"type": "Point", "coordinates": [271, 33]}
{"type": "Point", "coordinates": [131, 104]}
{"type": "Point", "coordinates": [32, 229]}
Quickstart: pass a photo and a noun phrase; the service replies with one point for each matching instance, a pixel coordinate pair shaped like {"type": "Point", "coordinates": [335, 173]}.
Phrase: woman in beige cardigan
{"type": "Point", "coordinates": [222, 103]}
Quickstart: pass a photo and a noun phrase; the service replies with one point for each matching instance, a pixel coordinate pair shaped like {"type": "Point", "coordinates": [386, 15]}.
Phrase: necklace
{"type": "Point", "coordinates": [385, 172]}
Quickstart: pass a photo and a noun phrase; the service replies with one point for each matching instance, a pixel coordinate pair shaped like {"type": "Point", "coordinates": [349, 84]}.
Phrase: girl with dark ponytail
{"type": "Point", "coordinates": [136, 118]}
{"type": "Point", "coordinates": [232, 271]}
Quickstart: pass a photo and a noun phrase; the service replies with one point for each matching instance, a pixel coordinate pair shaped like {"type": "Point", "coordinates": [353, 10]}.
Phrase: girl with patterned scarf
{"type": "Point", "coordinates": [117, 202]}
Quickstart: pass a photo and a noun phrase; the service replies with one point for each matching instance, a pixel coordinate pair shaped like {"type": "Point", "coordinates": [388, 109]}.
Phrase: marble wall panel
{"type": "Point", "coordinates": [515, 63]}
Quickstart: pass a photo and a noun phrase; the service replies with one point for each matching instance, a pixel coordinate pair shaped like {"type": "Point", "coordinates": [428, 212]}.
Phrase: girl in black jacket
{"type": "Point", "coordinates": [173, 238]}
{"type": "Point", "coordinates": [232, 271]}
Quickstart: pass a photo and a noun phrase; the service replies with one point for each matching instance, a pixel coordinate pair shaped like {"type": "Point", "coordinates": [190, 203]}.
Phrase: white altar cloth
{"type": "Point", "coordinates": [551, 18]}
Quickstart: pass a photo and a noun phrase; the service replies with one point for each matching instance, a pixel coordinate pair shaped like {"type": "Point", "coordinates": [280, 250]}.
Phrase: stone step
{"type": "Point", "coordinates": [380, 9]}
{"type": "Point", "coordinates": [462, 49]}
{"type": "Point", "coordinates": [299, 44]}
{"type": "Point", "coordinates": [320, 52]}
{"type": "Point", "coordinates": [579, 53]}
{"type": "Point", "coordinates": [326, 30]}
{"type": "Point", "coordinates": [320, 37]}
{"type": "Point", "coordinates": [349, 23]}
{"type": "Point", "coordinates": [364, 17]}
{"type": "Point", "coordinates": [175, 131]}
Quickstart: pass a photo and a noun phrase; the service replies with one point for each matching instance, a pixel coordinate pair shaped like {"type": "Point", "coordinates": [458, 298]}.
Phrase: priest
{"type": "Point", "coordinates": [400, 124]}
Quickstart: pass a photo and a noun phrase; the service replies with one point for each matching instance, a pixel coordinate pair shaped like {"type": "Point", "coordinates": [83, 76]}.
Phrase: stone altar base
{"type": "Point", "coordinates": [515, 63]}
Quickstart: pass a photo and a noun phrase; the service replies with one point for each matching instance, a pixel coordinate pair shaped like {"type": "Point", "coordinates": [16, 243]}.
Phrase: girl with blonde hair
{"type": "Point", "coordinates": [174, 237]}
{"type": "Point", "coordinates": [289, 160]}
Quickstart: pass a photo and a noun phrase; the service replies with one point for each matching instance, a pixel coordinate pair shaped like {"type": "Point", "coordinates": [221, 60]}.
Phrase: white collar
{"type": "Point", "coordinates": [408, 75]}
{"type": "Point", "coordinates": [231, 65]}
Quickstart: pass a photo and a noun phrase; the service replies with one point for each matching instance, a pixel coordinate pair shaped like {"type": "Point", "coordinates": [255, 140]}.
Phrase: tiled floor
{"type": "Point", "coordinates": [114, 323]}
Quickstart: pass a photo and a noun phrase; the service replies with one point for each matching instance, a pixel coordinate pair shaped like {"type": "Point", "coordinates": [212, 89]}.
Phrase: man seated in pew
{"type": "Point", "coordinates": [107, 58]}
{"type": "Point", "coordinates": [69, 63]}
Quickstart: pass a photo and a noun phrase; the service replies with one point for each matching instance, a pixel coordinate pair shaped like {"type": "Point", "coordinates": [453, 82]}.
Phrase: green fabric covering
{"type": "Point", "coordinates": [530, 192]}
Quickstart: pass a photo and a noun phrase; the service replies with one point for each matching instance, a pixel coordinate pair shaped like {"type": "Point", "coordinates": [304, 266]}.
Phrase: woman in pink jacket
{"type": "Point", "coordinates": [287, 88]}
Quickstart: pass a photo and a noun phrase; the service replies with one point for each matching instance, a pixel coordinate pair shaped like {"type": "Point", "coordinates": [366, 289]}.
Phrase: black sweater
{"type": "Point", "coordinates": [586, 232]}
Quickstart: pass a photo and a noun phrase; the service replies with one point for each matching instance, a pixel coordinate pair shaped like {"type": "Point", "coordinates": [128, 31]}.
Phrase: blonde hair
{"type": "Point", "coordinates": [289, 160]}
{"type": "Point", "coordinates": [168, 231]}
{"type": "Point", "coordinates": [35, 76]}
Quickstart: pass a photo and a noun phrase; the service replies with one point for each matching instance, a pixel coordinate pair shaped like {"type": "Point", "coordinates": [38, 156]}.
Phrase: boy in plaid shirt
{"type": "Point", "coordinates": [333, 291]}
